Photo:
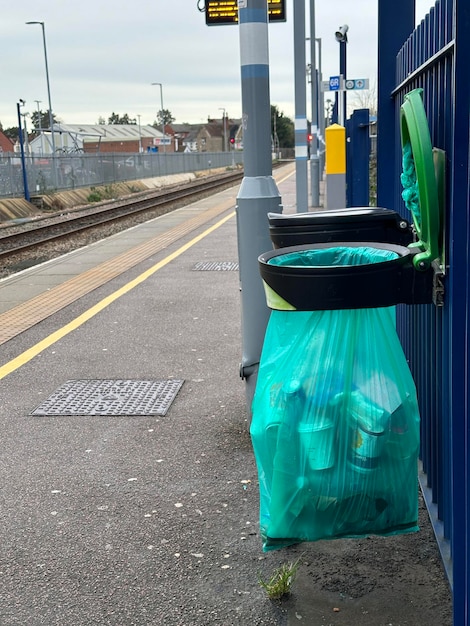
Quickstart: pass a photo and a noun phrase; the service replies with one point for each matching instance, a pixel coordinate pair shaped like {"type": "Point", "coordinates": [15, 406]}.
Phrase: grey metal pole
{"type": "Point", "coordinates": [224, 131]}
{"type": "Point", "coordinates": [314, 161]}
{"type": "Point", "coordinates": [51, 119]}
{"type": "Point", "coordinates": [140, 135]}
{"type": "Point", "coordinates": [301, 150]}
{"type": "Point", "coordinates": [38, 102]}
{"type": "Point", "coordinates": [321, 112]}
{"type": "Point", "coordinates": [258, 194]}
{"type": "Point", "coordinates": [163, 116]}
{"type": "Point", "coordinates": [163, 119]}
{"type": "Point", "coordinates": [23, 160]}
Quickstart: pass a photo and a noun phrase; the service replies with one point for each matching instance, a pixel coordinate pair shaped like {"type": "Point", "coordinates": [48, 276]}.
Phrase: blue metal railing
{"type": "Point", "coordinates": [436, 57]}
{"type": "Point", "coordinates": [427, 60]}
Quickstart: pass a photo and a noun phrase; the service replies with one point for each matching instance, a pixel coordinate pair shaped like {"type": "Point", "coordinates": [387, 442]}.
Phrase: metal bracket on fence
{"type": "Point", "coordinates": [438, 289]}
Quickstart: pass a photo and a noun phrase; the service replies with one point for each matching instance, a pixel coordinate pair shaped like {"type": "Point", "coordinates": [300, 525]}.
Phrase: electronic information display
{"type": "Point", "coordinates": [221, 12]}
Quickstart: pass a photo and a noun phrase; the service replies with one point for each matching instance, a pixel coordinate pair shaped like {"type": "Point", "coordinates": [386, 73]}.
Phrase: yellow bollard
{"type": "Point", "coordinates": [335, 166]}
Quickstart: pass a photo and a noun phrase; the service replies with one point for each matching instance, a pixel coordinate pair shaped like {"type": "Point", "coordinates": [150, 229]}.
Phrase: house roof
{"type": "Point", "coordinates": [183, 128]}
{"type": "Point", "coordinates": [214, 129]}
{"type": "Point", "coordinates": [6, 144]}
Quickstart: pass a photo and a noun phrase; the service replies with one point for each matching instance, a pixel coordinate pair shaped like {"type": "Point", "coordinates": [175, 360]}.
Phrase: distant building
{"type": "Point", "coordinates": [6, 144]}
{"type": "Point", "coordinates": [132, 138]}
{"type": "Point", "coordinates": [73, 138]}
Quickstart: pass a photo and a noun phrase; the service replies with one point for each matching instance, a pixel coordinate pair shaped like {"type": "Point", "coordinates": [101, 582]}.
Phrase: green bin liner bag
{"type": "Point", "coordinates": [335, 421]}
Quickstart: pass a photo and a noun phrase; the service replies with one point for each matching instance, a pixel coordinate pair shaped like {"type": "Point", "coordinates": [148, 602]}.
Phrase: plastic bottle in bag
{"type": "Point", "coordinates": [368, 430]}
{"type": "Point", "coordinates": [289, 492]}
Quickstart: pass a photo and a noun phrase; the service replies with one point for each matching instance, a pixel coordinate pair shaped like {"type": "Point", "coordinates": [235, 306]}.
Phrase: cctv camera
{"type": "Point", "coordinates": [22, 101]}
{"type": "Point", "coordinates": [340, 34]}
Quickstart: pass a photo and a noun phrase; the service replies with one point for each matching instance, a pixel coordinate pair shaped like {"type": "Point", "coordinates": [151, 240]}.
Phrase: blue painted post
{"type": "Point", "coordinates": [390, 40]}
{"type": "Point", "coordinates": [342, 71]}
{"type": "Point", "coordinates": [349, 151]}
{"type": "Point", "coordinates": [357, 159]}
{"type": "Point", "coordinates": [258, 194]}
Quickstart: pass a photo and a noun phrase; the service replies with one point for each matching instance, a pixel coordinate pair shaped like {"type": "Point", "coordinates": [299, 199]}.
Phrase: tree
{"type": "Point", "coordinates": [12, 133]}
{"type": "Point", "coordinates": [115, 118]}
{"type": "Point", "coordinates": [282, 128]}
{"type": "Point", "coordinates": [365, 99]}
{"type": "Point", "coordinates": [164, 117]}
{"type": "Point", "coordinates": [40, 119]}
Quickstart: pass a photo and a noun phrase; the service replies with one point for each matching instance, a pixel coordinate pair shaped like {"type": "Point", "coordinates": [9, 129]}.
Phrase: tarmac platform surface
{"type": "Point", "coordinates": [116, 518]}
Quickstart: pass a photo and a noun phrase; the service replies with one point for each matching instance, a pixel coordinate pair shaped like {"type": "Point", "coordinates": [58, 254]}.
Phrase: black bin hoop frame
{"type": "Point", "coordinates": [371, 285]}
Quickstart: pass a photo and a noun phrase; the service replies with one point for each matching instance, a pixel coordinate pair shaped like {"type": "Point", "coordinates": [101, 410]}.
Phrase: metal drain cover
{"type": "Point", "coordinates": [218, 266]}
{"type": "Point", "coordinates": [111, 397]}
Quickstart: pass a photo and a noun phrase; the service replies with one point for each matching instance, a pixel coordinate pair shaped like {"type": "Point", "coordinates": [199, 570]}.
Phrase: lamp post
{"type": "Point", "coordinates": [51, 123]}
{"type": "Point", "coordinates": [342, 38]}
{"type": "Point", "coordinates": [163, 119]}
{"type": "Point", "coordinates": [225, 131]}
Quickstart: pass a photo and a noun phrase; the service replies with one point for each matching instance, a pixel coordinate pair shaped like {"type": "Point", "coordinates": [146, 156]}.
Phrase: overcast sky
{"type": "Point", "coordinates": [103, 57]}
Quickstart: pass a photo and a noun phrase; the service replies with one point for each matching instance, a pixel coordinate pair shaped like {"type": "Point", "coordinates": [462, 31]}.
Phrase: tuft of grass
{"type": "Point", "coordinates": [101, 193]}
{"type": "Point", "coordinates": [94, 196]}
{"type": "Point", "coordinates": [280, 583]}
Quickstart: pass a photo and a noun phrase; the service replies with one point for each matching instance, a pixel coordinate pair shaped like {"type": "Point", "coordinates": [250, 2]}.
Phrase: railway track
{"type": "Point", "coordinates": [90, 223]}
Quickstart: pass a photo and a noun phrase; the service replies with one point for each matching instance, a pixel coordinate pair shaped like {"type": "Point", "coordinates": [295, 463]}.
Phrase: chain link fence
{"type": "Point", "coordinates": [48, 174]}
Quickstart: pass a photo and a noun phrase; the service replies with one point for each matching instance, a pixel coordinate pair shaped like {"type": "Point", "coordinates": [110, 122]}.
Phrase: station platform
{"type": "Point", "coordinates": [129, 491]}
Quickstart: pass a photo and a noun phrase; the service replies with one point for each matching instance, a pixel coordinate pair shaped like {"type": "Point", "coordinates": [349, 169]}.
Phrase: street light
{"type": "Point", "coordinates": [342, 38]}
{"type": "Point", "coordinates": [225, 131]}
{"type": "Point", "coordinates": [51, 123]}
{"type": "Point", "coordinates": [163, 119]}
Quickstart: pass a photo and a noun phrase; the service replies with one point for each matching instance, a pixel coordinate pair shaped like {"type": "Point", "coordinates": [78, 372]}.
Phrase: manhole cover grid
{"type": "Point", "coordinates": [217, 266]}
{"type": "Point", "coordinates": [111, 397]}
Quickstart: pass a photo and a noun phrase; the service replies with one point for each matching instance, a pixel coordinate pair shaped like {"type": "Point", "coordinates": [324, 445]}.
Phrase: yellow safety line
{"type": "Point", "coordinates": [21, 317]}
{"type": "Point", "coordinates": [24, 315]}
{"type": "Point", "coordinates": [29, 354]}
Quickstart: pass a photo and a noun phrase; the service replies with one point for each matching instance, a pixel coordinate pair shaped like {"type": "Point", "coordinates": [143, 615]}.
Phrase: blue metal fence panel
{"type": "Point", "coordinates": [436, 341]}
{"type": "Point", "coordinates": [421, 63]}
{"type": "Point", "coordinates": [458, 310]}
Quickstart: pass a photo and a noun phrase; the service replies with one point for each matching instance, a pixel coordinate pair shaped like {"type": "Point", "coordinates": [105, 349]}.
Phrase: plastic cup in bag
{"type": "Point", "coordinates": [318, 440]}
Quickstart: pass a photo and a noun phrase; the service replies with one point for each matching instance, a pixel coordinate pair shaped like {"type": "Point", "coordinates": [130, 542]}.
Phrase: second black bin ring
{"type": "Point", "coordinates": [331, 225]}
